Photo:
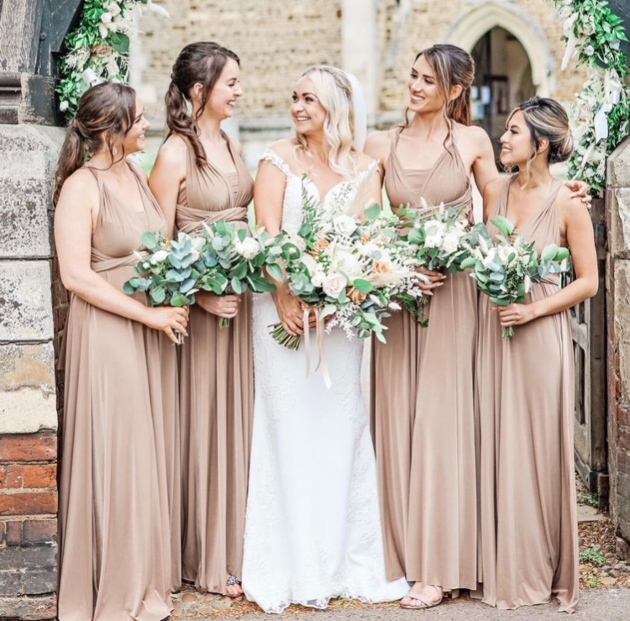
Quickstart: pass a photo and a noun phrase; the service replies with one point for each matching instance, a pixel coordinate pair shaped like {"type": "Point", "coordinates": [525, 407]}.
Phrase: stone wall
{"type": "Point", "coordinates": [29, 289]}
{"type": "Point", "coordinates": [618, 303]}
{"type": "Point", "coordinates": [277, 40]}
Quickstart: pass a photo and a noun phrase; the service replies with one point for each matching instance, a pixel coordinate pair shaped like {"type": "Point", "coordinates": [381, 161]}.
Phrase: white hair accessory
{"type": "Point", "coordinates": [360, 112]}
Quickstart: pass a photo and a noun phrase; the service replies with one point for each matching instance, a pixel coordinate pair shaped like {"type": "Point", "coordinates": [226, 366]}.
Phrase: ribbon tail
{"type": "Point", "coordinates": [321, 343]}
{"type": "Point", "coordinates": [307, 341]}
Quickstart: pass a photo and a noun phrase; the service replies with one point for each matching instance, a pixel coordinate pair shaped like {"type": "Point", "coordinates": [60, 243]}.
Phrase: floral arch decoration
{"type": "Point", "coordinates": [600, 114]}
{"type": "Point", "coordinates": [98, 49]}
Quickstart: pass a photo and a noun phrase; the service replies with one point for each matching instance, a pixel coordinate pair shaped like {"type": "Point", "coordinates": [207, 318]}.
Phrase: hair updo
{"type": "Point", "coordinates": [108, 107]}
{"type": "Point", "coordinates": [546, 118]}
{"type": "Point", "coordinates": [198, 63]}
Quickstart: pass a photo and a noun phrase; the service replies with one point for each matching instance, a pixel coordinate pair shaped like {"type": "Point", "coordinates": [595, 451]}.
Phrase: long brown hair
{"type": "Point", "coordinates": [198, 63]}
{"type": "Point", "coordinates": [108, 107]}
{"type": "Point", "coordinates": [452, 66]}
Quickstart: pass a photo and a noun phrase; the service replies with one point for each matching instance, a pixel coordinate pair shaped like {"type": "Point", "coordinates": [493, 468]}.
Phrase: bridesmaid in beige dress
{"type": "Point", "coordinates": [199, 177]}
{"type": "Point", "coordinates": [423, 420]}
{"type": "Point", "coordinates": [120, 411]}
{"type": "Point", "coordinates": [529, 539]}
{"type": "Point", "coordinates": [422, 379]}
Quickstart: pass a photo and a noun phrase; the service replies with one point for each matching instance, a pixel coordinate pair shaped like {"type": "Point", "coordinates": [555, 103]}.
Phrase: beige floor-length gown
{"type": "Point", "coordinates": [216, 378]}
{"type": "Point", "coordinates": [529, 539]}
{"type": "Point", "coordinates": [423, 420]}
{"type": "Point", "coordinates": [118, 494]}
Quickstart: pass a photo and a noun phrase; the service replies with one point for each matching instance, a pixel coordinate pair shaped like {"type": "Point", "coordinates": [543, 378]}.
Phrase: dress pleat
{"type": "Point", "coordinates": [118, 490]}
{"type": "Point", "coordinates": [216, 399]}
{"type": "Point", "coordinates": [423, 416]}
{"type": "Point", "coordinates": [529, 539]}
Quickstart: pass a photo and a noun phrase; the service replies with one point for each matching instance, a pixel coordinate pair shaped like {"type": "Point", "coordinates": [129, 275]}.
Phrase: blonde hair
{"type": "Point", "coordinates": [546, 119]}
{"type": "Point", "coordinates": [334, 92]}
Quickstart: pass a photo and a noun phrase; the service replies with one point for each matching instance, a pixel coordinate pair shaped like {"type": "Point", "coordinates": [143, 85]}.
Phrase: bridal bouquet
{"type": "Point", "coordinates": [343, 262]}
{"type": "Point", "coordinates": [437, 243]}
{"type": "Point", "coordinates": [506, 269]}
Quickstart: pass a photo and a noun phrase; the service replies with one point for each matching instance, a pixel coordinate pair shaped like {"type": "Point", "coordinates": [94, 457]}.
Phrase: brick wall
{"type": "Point", "coordinates": [28, 525]}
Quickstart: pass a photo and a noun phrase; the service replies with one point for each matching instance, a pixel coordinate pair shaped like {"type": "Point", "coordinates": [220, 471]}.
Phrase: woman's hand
{"type": "Point", "coordinates": [516, 314]}
{"type": "Point", "coordinates": [169, 319]}
{"type": "Point", "coordinates": [290, 311]}
{"type": "Point", "coordinates": [580, 190]}
{"type": "Point", "coordinates": [219, 305]}
{"type": "Point", "coordinates": [432, 280]}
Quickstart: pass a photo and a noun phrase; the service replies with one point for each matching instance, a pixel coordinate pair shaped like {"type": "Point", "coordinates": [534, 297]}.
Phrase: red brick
{"type": "Point", "coordinates": [32, 447]}
{"type": "Point", "coordinates": [14, 476]}
{"type": "Point", "coordinates": [28, 503]}
{"type": "Point", "coordinates": [14, 533]}
{"type": "Point", "coordinates": [39, 531]}
{"type": "Point", "coordinates": [40, 476]}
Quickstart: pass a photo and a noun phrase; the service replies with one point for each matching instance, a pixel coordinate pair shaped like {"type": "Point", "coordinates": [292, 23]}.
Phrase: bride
{"type": "Point", "coordinates": [312, 528]}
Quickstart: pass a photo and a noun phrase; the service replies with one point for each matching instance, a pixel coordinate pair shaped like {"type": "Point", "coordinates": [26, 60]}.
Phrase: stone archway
{"type": "Point", "coordinates": [473, 23]}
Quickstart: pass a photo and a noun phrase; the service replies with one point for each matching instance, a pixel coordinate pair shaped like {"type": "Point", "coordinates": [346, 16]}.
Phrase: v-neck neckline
{"type": "Point", "coordinates": [519, 230]}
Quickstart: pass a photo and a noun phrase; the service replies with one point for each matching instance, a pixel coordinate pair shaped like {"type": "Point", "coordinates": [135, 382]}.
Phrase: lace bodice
{"type": "Point", "coordinates": [299, 186]}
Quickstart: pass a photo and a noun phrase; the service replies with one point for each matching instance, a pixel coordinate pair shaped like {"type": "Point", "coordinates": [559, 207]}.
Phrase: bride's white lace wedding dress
{"type": "Point", "coordinates": [313, 529]}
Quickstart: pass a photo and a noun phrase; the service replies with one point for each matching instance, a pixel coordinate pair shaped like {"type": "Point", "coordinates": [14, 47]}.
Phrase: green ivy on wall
{"type": "Point", "coordinates": [601, 111]}
{"type": "Point", "coordinates": [98, 49]}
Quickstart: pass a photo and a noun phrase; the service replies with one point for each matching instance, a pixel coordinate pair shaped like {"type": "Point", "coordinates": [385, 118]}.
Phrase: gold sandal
{"type": "Point", "coordinates": [424, 602]}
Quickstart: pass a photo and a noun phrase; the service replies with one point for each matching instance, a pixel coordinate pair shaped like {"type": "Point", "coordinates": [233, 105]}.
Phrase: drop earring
{"type": "Point", "coordinates": [114, 151]}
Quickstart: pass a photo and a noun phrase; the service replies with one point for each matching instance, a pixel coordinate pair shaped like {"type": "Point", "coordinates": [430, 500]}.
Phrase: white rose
{"type": "Point", "coordinates": [112, 8]}
{"type": "Point", "coordinates": [505, 252]}
{"type": "Point", "coordinates": [106, 18]}
{"type": "Point", "coordinates": [194, 253]}
{"type": "Point", "coordinates": [248, 248]}
{"type": "Point", "coordinates": [159, 256]}
{"type": "Point", "coordinates": [451, 242]}
{"type": "Point", "coordinates": [103, 30]}
{"type": "Point", "coordinates": [347, 263]}
{"type": "Point", "coordinates": [333, 284]}
{"type": "Point", "coordinates": [432, 241]}
{"type": "Point", "coordinates": [64, 105]}
{"type": "Point", "coordinates": [344, 225]}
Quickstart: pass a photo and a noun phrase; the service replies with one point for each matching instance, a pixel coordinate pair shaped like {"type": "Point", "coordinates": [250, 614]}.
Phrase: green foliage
{"type": "Point", "coordinates": [595, 33]}
{"type": "Point", "coordinates": [100, 43]}
{"type": "Point", "coordinates": [592, 555]}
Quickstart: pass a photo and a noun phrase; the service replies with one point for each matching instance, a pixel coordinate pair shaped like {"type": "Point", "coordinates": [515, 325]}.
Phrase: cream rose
{"type": "Point", "coordinates": [333, 284]}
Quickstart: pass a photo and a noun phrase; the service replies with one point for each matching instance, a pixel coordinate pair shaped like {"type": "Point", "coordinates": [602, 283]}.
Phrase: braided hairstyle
{"type": "Point", "coordinates": [198, 63]}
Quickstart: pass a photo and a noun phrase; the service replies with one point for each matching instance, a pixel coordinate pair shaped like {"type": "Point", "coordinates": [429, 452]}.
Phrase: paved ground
{"type": "Point", "coordinates": [595, 605]}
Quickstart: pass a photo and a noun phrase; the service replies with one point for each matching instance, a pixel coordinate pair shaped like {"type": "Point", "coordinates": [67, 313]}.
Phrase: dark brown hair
{"type": "Point", "coordinates": [108, 107]}
{"type": "Point", "coordinates": [452, 66]}
{"type": "Point", "coordinates": [198, 63]}
{"type": "Point", "coordinates": [546, 118]}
